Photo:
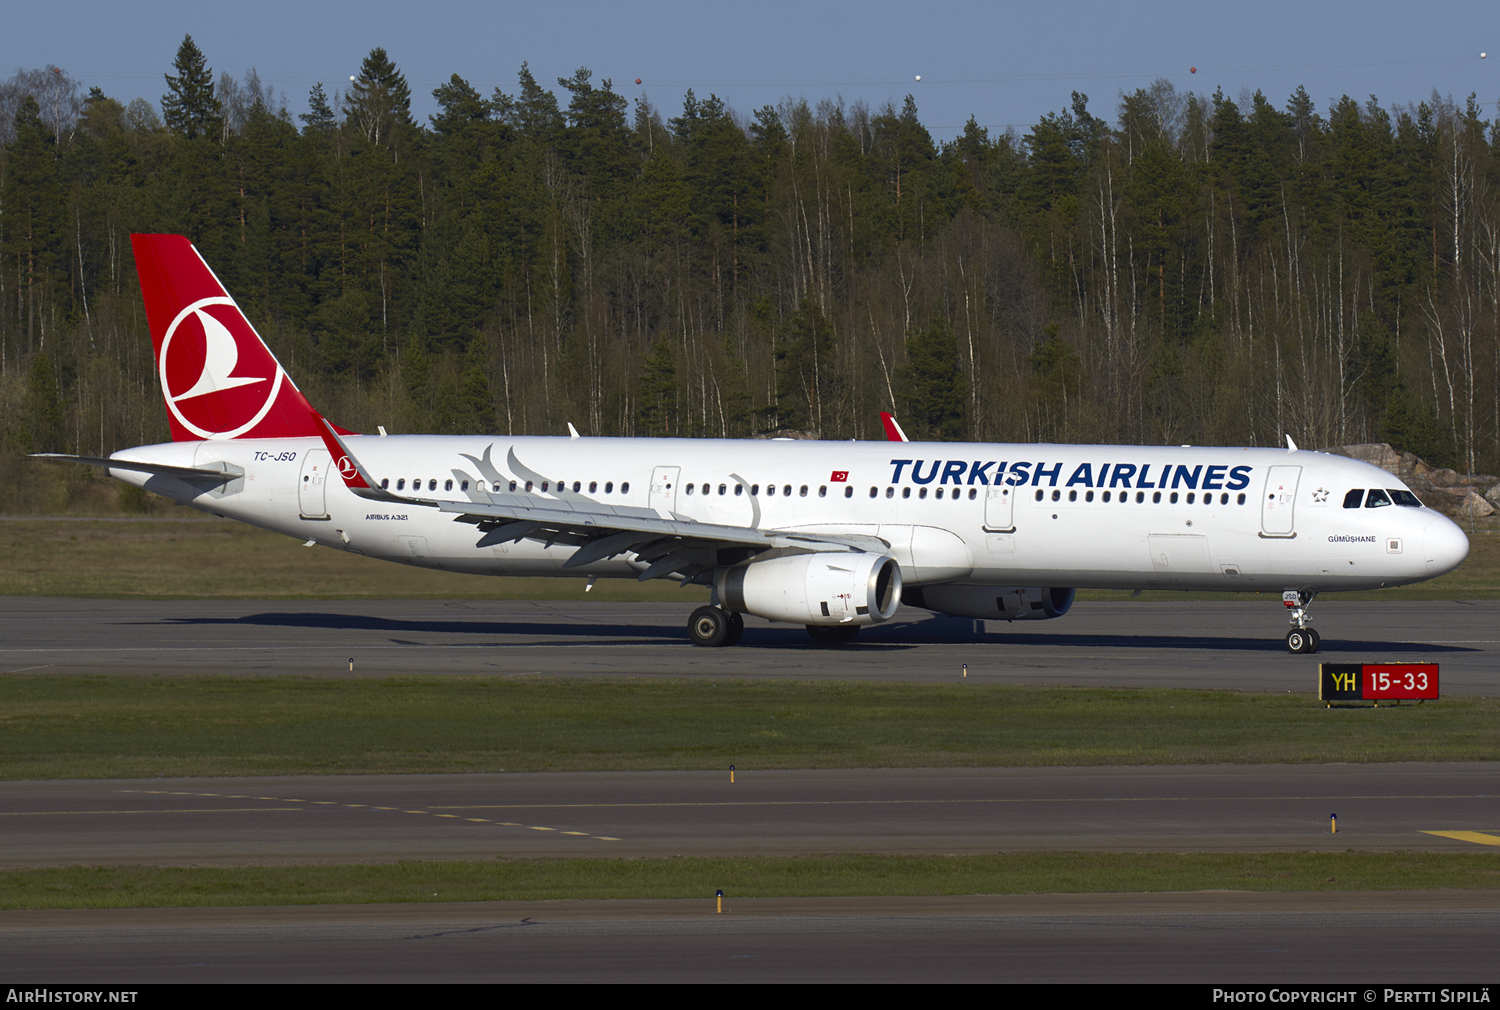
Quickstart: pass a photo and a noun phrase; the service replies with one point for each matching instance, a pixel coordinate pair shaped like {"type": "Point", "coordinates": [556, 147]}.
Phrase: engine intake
{"type": "Point", "coordinates": [830, 587]}
{"type": "Point", "coordinates": [994, 603]}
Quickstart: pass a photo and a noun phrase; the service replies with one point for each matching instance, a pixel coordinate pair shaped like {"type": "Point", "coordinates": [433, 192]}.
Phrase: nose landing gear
{"type": "Point", "coordinates": [1302, 638]}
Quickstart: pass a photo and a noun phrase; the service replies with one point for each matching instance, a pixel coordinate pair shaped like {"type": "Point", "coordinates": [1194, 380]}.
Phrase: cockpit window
{"type": "Point", "coordinates": [1404, 497]}
{"type": "Point", "coordinates": [1354, 498]}
{"type": "Point", "coordinates": [1376, 498]}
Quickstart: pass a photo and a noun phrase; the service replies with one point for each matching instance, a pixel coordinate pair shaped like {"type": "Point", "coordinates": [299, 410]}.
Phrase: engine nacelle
{"type": "Point", "coordinates": [993, 603]}
{"type": "Point", "coordinates": [828, 587]}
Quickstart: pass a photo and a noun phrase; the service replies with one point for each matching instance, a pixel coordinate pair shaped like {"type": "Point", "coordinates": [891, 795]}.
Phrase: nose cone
{"type": "Point", "coordinates": [1445, 546]}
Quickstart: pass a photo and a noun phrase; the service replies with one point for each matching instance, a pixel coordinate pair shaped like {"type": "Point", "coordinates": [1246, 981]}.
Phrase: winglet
{"type": "Point", "coordinates": [356, 477]}
{"type": "Point", "coordinates": [893, 432]}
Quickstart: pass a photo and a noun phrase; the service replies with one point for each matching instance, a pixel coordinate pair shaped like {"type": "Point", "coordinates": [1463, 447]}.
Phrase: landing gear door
{"type": "Point", "coordinates": [999, 508]}
{"type": "Point", "coordinates": [1278, 500]}
{"type": "Point", "coordinates": [664, 488]}
{"type": "Point", "coordinates": [312, 484]}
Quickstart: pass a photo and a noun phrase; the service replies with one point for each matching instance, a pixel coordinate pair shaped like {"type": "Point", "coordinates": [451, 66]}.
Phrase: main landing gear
{"type": "Point", "coordinates": [1301, 638]}
{"type": "Point", "coordinates": [712, 627]}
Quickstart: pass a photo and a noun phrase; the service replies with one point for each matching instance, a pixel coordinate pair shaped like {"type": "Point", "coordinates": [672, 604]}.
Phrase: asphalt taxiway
{"type": "Point", "coordinates": [1217, 938]}
{"type": "Point", "coordinates": [385, 818]}
{"type": "Point", "coordinates": [1219, 645]}
{"type": "Point", "coordinates": [1364, 940]}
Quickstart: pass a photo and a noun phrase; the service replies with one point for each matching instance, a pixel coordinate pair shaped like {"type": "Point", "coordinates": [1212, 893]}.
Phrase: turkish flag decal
{"type": "Point", "coordinates": [839, 476]}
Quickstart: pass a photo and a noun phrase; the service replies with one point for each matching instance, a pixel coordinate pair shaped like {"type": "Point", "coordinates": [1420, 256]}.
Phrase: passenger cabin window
{"type": "Point", "coordinates": [447, 485]}
{"type": "Point", "coordinates": [593, 486]}
{"type": "Point", "coordinates": [385, 484]}
{"type": "Point", "coordinates": [401, 484]}
{"type": "Point", "coordinates": [625, 487]}
{"type": "Point", "coordinates": [849, 491]}
{"type": "Point", "coordinates": [1377, 499]}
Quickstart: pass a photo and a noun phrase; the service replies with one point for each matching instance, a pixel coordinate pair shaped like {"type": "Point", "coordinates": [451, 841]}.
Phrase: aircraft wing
{"type": "Point", "coordinates": [667, 543]}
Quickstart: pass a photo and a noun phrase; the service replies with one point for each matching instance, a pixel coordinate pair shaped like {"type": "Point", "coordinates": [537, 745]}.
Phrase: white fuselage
{"type": "Point", "coordinates": [1114, 517]}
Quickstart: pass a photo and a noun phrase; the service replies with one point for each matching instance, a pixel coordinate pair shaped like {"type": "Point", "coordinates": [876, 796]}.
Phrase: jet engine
{"type": "Point", "coordinates": [828, 587]}
{"type": "Point", "coordinates": [993, 603]}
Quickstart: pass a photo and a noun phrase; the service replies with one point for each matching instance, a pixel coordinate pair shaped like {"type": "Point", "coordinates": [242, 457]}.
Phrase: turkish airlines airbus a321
{"type": "Point", "coordinates": [831, 535]}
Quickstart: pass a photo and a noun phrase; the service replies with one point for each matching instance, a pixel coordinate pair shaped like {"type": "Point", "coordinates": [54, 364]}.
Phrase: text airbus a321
{"type": "Point", "coordinates": [830, 535]}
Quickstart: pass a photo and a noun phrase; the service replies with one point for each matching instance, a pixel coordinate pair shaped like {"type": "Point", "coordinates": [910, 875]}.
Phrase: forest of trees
{"type": "Point", "coordinates": [1199, 270]}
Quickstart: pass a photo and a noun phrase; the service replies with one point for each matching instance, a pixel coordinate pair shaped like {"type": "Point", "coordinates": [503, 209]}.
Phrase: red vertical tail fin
{"type": "Point", "coordinates": [218, 378]}
{"type": "Point", "coordinates": [893, 432]}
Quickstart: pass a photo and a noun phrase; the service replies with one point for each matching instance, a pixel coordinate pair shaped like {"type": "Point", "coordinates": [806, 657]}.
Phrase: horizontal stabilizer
{"type": "Point", "coordinates": [191, 473]}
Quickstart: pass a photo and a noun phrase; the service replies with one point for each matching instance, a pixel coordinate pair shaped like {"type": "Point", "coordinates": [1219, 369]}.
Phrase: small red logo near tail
{"type": "Point", "coordinates": [838, 476]}
{"type": "Point", "coordinates": [218, 377]}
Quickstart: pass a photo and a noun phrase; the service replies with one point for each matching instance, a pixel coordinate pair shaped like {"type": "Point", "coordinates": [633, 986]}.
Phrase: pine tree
{"type": "Point", "coordinates": [656, 394]}
{"type": "Point", "coordinates": [806, 373]}
{"type": "Point", "coordinates": [932, 383]}
{"type": "Point", "coordinates": [379, 100]}
{"type": "Point", "coordinates": [189, 106]}
{"type": "Point", "coordinates": [319, 117]}
{"type": "Point", "coordinates": [32, 196]}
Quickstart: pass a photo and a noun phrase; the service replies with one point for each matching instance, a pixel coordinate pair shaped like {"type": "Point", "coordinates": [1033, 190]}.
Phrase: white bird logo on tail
{"type": "Point", "coordinates": [220, 354]}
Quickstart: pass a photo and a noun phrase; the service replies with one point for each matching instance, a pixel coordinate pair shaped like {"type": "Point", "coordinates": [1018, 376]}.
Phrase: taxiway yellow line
{"type": "Point", "coordinates": [1477, 837]}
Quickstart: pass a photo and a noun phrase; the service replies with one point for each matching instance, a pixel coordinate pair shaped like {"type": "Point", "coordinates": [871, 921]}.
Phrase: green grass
{"type": "Point", "coordinates": [745, 877]}
{"type": "Point", "coordinates": [162, 559]}
{"type": "Point", "coordinates": [132, 726]}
